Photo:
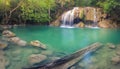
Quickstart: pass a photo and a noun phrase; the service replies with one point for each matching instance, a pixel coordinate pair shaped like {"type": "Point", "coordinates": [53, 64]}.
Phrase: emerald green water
{"type": "Point", "coordinates": [67, 40]}
{"type": "Point", "coordinates": [61, 41]}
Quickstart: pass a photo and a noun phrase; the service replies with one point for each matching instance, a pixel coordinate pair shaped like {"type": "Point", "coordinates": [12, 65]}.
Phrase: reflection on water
{"type": "Point", "coordinates": [69, 35]}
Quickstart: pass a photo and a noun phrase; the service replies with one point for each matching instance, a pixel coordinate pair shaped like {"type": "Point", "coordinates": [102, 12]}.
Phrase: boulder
{"type": "Point", "coordinates": [3, 45]}
{"type": "Point", "coordinates": [3, 61]}
{"type": "Point", "coordinates": [21, 43]}
{"type": "Point", "coordinates": [111, 46]}
{"type": "Point", "coordinates": [81, 25]}
{"type": "Point", "coordinates": [8, 33]}
{"type": "Point", "coordinates": [107, 24]}
{"type": "Point", "coordinates": [36, 58]}
{"type": "Point", "coordinates": [118, 53]}
{"type": "Point", "coordinates": [56, 22]}
{"type": "Point", "coordinates": [38, 44]}
{"type": "Point", "coordinates": [48, 52]}
{"type": "Point", "coordinates": [14, 39]}
{"type": "Point", "coordinates": [115, 60]}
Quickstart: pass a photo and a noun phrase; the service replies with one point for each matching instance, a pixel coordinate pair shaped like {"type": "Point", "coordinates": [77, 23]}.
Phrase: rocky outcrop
{"type": "Point", "coordinates": [11, 37]}
{"type": "Point", "coordinates": [37, 43]}
{"type": "Point", "coordinates": [81, 25]}
{"type": "Point", "coordinates": [92, 16]}
{"type": "Point", "coordinates": [107, 24]}
{"type": "Point", "coordinates": [36, 58]}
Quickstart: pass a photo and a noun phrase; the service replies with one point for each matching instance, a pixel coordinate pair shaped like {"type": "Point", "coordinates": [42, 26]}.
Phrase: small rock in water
{"type": "Point", "coordinates": [115, 60]}
{"type": "Point", "coordinates": [15, 39]}
{"type": "Point", "coordinates": [3, 45]}
{"type": "Point", "coordinates": [111, 46]}
{"type": "Point", "coordinates": [22, 43]}
{"type": "Point", "coordinates": [36, 58]}
{"type": "Point", "coordinates": [47, 52]}
{"type": "Point", "coordinates": [38, 44]}
{"type": "Point", "coordinates": [118, 53]}
{"type": "Point", "coordinates": [3, 62]}
{"type": "Point", "coordinates": [8, 33]}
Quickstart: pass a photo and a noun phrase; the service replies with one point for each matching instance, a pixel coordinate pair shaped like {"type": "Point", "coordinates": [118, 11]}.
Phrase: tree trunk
{"type": "Point", "coordinates": [68, 61]}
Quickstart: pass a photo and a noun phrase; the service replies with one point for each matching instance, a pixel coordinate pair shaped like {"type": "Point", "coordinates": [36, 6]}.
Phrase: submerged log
{"type": "Point", "coordinates": [69, 60]}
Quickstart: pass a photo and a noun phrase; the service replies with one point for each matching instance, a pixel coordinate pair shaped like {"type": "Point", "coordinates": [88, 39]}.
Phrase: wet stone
{"type": "Point", "coordinates": [36, 58]}
{"type": "Point", "coordinates": [111, 46]}
{"type": "Point", "coordinates": [115, 60]}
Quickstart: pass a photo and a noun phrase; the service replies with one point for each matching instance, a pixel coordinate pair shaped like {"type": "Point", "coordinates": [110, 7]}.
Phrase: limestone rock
{"type": "Point", "coordinates": [111, 46]}
{"type": "Point", "coordinates": [36, 58]}
{"type": "Point", "coordinates": [107, 24]}
{"type": "Point", "coordinates": [56, 22]}
{"type": "Point", "coordinates": [3, 62]}
{"type": "Point", "coordinates": [46, 52]}
{"type": "Point", "coordinates": [8, 33]}
{"type": "Point", "coordinates": [21, 43]}
{"type": "Point", "coordinates": [3, 45]}
{"type": "Point", "coordinates": [115, 60]}
{"type": "Point", "coordinates": [118, 53]}
{"type": "Point", "coordinates": [15, 39]}
{"type": "Point", "coordinates": [38, 44]}
{"type": "Point", "coordinates": [81, 25]}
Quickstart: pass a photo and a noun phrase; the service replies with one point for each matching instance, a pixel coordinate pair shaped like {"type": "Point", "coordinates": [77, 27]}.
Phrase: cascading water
{"type": "Point", "coordinates": [68, 18]}
{"type": "Point", "coordinates": [95, 18]}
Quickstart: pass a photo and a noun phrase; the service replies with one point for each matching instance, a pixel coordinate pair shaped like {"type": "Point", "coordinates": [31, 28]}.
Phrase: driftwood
{"type": "Point", "coordinates": [68, 61]}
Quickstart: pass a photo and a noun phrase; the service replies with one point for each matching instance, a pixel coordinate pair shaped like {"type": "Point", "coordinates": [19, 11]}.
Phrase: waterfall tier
{"type": "Point", "coordinates": [68, 18]}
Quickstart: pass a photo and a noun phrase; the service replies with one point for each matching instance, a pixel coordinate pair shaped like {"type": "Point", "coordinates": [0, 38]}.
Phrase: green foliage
{"type": "Point", "coordinates": [37, 10]}
{"type": "Point", "coordinates": [43, 11]}
{"type": "Point", "coordinates": [108, 5]}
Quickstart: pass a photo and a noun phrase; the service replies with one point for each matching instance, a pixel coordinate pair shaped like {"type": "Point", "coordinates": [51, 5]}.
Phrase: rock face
{"type": "Point", "coordinates": [38, 44]}
{"type": "Point", "coordinates": [92, 16]}
{"type": "Point", "coordinates": [107, 24]}
{"type": "Point", "coordinates": [36, 58]}
{"type": "Point", "coordinates": [81, 25]}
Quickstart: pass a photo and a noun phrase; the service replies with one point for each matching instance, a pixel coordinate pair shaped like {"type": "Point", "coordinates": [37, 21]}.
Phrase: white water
{"type": "Point", "coordinates": [95, 18]}
{"type": "Point", "coordinates": [68, 18]}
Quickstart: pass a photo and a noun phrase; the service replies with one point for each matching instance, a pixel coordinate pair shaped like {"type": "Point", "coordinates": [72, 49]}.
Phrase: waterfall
{"type": "Point", "coordinates": [95, 18]}
{"type": "Point", "coordinates": [68, 18]}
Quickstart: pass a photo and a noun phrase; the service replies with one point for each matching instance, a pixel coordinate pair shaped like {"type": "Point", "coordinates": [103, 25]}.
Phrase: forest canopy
{"type": "Point", "coordinates": [44, 11]}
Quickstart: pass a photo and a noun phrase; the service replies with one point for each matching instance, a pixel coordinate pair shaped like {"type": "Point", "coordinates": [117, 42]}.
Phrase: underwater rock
{"type": "Point", "coordinates": [18, 41]}
{"type": "Point", "coordinates": [7, 33]}
{"type": "Point", "coordinates": [118, 53]}
{"type": "Point", "coordinates": [111, 46]}
{"type": "Point", "coordinates": [38, 44]}
{"type": "Point", "coordinates": [3, 61]}
{"type": "Point", "coordinates": [36, 58]}
{"type": "Point", "coordinates": [115, 60]}
{"type": "Point", "coordinates": [15, 39]}
{"type": "Point", "coordinates": [48, 52]}
{"type": "Point", "coordinates": [3, 45]}
{"type": "Point", "coordinates": [21, 43]}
